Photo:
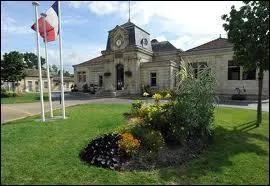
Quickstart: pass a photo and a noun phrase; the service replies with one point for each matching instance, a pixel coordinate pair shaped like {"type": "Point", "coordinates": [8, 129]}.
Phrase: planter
{"type": "Point", "coordinates": [239, 97]}
{"type": "Point", "coordinates": [128, 73]}
{"type": "Point", "coordinates": [107, 74]}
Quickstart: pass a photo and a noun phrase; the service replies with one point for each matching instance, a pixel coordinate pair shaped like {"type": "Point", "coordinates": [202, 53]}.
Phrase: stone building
{"type": "Point", "coordinates": [30, 83]}
{"type": "Point", "coordinates": [131, 60]}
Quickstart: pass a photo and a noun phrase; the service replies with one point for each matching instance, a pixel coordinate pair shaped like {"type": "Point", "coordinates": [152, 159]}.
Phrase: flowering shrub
{"type": "Point", "coordinates": [128, 145]}
{"type": "Point", "coordinates": [157, 97]}
{"type": "Point", "coordinates": [136, 121]}
{"type": "Point", "coordinates": [151, 140]}
{"type": "Point", "coordinates": [135, 106]}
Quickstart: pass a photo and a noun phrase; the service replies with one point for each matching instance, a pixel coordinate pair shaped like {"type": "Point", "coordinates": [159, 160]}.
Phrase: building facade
{"type": "Point", "coordinates": [131, 60]}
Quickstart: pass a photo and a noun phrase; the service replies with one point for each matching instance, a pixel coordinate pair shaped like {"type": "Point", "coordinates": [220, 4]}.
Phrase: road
{"type": "Point", "coordinates": [11, 112]}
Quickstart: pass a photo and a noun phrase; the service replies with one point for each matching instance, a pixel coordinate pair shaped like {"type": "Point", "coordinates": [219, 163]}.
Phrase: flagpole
{"type": "Point", "coordinates": [48, 71]}
{"type": "Point", "coordinates": [36, 4]}
{"type": "Point", "coordinates": [61, 62]}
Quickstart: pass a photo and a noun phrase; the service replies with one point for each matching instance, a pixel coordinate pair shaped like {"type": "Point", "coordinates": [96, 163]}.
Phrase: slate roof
{"type": "Point", "coordinates": [96, 60]}
{"type": "Point", "coordinates": [130, 24]}
{"type": "Point", "coordinates": [162, 46]}
{"type": "Point", "coordinates": [214, 44]}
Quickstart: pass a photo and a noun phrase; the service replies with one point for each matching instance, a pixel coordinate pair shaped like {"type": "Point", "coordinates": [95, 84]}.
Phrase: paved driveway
{"type": "Point", "coordinates": [11, 112]}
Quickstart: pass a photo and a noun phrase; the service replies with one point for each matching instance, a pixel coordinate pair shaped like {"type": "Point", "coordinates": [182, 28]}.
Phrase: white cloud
{"type": "Point", "coordinates": [10, 26]}
{"type": "Point", "coordinates": [72, 55]}
{"type": "Point", "coordinates": [190, 22]}
{"type": "Point", "coordinates": [73, 20]}
{"type": "Point", "coordinates": [103, 7]}
{"type": "Point", "coordinates": [161, 38]}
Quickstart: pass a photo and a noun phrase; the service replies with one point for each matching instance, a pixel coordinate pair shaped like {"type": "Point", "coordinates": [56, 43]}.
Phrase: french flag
{"type": "Point", "coordinates": [51, 23]}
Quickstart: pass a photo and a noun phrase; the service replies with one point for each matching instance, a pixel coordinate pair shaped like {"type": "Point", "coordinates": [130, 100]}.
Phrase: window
{"type": "Point", "coordinates": [45, 84]}
{"type": "Point", "coordinates": [198, 67]}
{"type": "Point", "coordinates": [79, 77]}
{"type": "Point", "coordinates": [100, 81]}
{"type": "Point", "coordinates": [30, 85]}
{"type": "Point", "coordinates": [175, 79]}
{"type": "Point", "coordinates": [249, 75]}
{"type": "Point", "coordinates": [233, 71]}
{"type": "Point", "coordinates": [67, 84]}
{"type": "Point", "coordinates": [84, 77]}
{"type": "Point", "coordinates": [153, 77]}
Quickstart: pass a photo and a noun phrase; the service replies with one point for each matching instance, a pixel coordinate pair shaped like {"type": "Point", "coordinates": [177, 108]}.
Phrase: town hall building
{"type": "Point", "coordinates": [132, 60]}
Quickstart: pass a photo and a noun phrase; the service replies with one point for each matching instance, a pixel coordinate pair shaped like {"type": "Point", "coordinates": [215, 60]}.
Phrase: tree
{"type": "Point", "coordinates": [54, 70]}
{"type": "Point", "coordinates": [66, 73]}
{"type": "Point", "coordinates": [12, 67]}
{"type": "Point", "coordinates": [248, 30]}
{"type": "Point", "coordinates": [31, 60]}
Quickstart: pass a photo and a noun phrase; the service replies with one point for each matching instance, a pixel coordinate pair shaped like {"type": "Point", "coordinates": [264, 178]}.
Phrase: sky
{"type": "Point", "coordinates": [85, 25]}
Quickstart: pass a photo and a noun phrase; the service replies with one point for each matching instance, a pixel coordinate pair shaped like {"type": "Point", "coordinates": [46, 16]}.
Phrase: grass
{"type": "Point", "coordinates": [24, 98]}
{"type": "Point", "coordinates": [47, 153]}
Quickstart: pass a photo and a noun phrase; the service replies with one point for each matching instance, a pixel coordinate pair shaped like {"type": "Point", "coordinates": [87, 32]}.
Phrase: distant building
{"type": "Point", "coordinates": [30, 83]}
{"type": "Point", "coordinates": [132, 61]}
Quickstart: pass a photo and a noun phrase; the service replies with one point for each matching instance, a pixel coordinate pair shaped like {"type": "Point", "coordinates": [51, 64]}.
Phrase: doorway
{"type": "Point", "coordinates": [119, 77]}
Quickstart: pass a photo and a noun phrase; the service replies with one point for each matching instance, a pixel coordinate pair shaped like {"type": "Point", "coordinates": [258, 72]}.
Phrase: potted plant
{"type": "Point", "coordinates": [128, 73]}
{"type": "Point", "coordinates": [107, 74]}
{"type": "Point", "coordinates": [239, 95]}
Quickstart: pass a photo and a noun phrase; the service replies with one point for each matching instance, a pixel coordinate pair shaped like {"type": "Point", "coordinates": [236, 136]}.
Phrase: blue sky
{"type": "Point", "coordinates": [85, 25]}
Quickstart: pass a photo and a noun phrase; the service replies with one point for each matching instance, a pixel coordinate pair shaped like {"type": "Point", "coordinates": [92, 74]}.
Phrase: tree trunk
{"type": "Point", "coordinates": [259, 106]}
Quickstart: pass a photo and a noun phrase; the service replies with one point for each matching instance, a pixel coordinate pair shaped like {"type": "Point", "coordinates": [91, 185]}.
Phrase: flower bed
{"type": "Point", "coordinates": [160, 134]}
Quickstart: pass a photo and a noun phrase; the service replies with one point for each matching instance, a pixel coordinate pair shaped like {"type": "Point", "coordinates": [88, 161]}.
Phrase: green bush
{"type": "Point", "coordinates": [156, 116]}
{"type": "Point", "coordinates": [6, 94]}
{"type": "Point", "coordinates": [192, 114]}
{"type": "Point", "coordinates": [135, 106]}
{"type": "Point", "coordinates": [151, 140]}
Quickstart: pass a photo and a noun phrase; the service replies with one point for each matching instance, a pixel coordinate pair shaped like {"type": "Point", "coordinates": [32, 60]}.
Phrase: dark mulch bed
{"type": "Point", "coordinates": [168, 156]}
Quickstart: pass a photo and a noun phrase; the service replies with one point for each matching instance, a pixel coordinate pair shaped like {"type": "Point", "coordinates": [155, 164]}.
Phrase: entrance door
{"type": "Point", "coordinates": [119, 77]}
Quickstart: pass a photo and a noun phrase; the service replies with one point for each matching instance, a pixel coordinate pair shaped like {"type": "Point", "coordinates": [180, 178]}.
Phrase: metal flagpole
{"type": "Point", "coordinates": [61, 62]}
{"type": "Point", "coordinates": [48, 70]}
{"type": "Point", "coordinates": [36, 4]}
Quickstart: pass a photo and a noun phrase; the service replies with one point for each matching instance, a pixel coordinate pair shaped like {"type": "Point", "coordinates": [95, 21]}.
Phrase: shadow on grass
{"type": "Point", "coordinates": [45, 98]}
{"type": "Point", "coordinates": [226, 144]}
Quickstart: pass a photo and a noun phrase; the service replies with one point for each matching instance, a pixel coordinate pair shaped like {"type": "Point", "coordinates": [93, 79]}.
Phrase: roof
{"type": "Point", "coordinates": [35, 73]}
{"type": "Point", "coordinates": [91, 61]}
{"type": "Point", "coordinates": [215, 44]}
{"type": "Point", "coordinates": [162, 46]}
{"type": "Point", "coordinates": [130, 24]}
{"type": "Point", "coordinates": [56, 78]}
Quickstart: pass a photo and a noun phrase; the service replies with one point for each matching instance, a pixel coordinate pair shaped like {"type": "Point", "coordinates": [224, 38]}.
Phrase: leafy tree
{"type": "Point", "coordinates": [248, 30]}
{"type": "Point", "coordinates": [66, 73]}
{"type": "Point", "coordinates": [12, 67]}
{"type": "Point", "coordinates": [31, 60]}
{"type": "Point", "coordinates": [54, 70]}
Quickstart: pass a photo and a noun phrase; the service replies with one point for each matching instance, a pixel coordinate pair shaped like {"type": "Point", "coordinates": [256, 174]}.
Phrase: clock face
{"type": "Point", "coordinates": [118, 42]}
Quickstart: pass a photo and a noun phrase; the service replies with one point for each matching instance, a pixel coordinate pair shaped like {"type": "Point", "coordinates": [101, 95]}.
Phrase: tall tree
{"type": "Point", "coordinates": [31, 60]}
{"type": "Point", "coordinates": [12, 67]}
{"type": "Point", "coordinates": [248, 30]}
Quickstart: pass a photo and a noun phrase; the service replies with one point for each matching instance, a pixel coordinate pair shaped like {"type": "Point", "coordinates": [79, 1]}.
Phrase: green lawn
{"type": "Point", "coordinates": [24, 98]}
{"type": "Point", "coordinates": [47, 153]}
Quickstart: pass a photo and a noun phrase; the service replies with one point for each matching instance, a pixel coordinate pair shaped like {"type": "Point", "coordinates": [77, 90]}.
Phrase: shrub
{"type": "Point", "coordinates": [157, 97]}
{"type": "Point", "coordinates": [6, 94]}
{"type": "Point", "coordinates": [156, 116]}
{"type": "Point", "coordinates": [192, 114]}
{"type": "Point", "coordinates": [168, 94]}
{"type": "Point", "coordinates": [85, 87]}
{"type": "Point", "coordinates": [151, 139]}
{"type": "Point", "coordinates": [128, 145]}
{"type": "Point", "coordinates": [136, 121]}
{"type": "Point", "coordinates": [135, 106]}
{"type": "Point", "coordinates": [147, 89]}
